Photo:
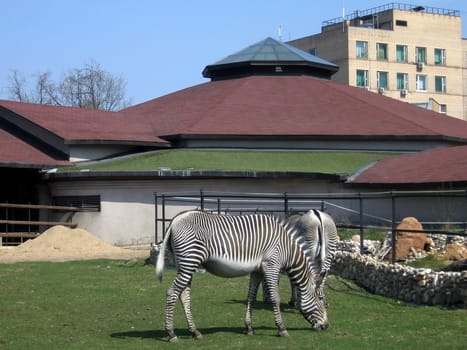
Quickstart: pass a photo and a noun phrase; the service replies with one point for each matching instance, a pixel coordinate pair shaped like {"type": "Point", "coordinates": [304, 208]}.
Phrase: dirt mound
{"type": "Point", "coordinates": [60, 243]}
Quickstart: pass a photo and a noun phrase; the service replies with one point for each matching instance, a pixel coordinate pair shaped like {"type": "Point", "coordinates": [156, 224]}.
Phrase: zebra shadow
{"type": "Point", "coordinates": [161, 335]}
{"type": "Point", "coordinates": [143, 334]}
{"type": "Point", "coordinates": [263, 305]}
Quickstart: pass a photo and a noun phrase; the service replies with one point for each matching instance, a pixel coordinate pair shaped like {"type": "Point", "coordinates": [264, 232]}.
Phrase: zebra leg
{"type": "Point", "coordinates": [255, 281]}
{"type": "Point", "coordinates": [271, 281]}
{"type": "Point", "coordinates": [293, 294]}
{"type": "Point", "coordinates": [265, 294]}
{"type": "Point", "coordinates": [320, 285]}
{"type": "Point", "coordinates": [185, 298]}
{"type": "Point", "coordinates": [181, 282]}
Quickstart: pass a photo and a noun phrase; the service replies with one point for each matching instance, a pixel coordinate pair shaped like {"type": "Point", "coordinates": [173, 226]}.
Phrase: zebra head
{"type": "Point", "coordinates": [312, 305]}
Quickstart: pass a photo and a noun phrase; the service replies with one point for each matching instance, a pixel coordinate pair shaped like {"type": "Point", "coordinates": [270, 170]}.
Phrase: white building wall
{"type": "Point", "coordinates": [80, 153]}
{"type": "Point", "coordinates": [127, 215]}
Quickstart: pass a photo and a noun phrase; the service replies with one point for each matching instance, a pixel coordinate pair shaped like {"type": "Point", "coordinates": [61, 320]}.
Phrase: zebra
{"type": "Point", "coordinates": [320, 233]}
{"type": "Point", "coordinates": [232, 246]}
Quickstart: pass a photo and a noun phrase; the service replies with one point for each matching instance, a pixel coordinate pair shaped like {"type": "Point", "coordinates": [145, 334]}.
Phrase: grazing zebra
{"type": "Point", "coordinates": [231, 246]}
{"type": "Point", "coordinates": [320, 232]}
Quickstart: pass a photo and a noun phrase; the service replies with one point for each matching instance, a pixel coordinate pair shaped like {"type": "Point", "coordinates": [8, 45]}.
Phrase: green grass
{"type": "Point", "coordinates": [119, 305]}
{"type": "Point", "coordinates": [367, 234]}
{"type": "Point", "coordinates": [430, 261]}
{"type": "Point", "coordinates": [302, 161]}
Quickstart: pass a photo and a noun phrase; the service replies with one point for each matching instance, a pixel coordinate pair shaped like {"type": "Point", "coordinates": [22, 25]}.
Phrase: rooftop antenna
{"type": "Point", "coordinates": [343, 17]}
{"type": "Point", "coordinates": [280, 32]}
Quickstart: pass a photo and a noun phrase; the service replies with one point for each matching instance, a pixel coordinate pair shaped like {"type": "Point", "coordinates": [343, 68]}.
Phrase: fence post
{"type": "Point", "coordinates": [218, 205]}
{"type": "Point", "coordinates": [163, 216]}
{"type": "Point", "coordinates": [201, 199]}
{"type": "Point", "coordinates": [156, 213]}
{"type": "Point", "coordinates": [286, 204]}
{"type": "Point", "coordinates": [360, 199]}
{"type": "Point", "coordinates": [6, 218]}
{"type": "Point", "coordinates": [393, 228]}
{"type": "Point", "coordinates": [29, 219]}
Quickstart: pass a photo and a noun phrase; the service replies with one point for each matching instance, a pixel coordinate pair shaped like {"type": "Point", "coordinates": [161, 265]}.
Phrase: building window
{"type": "Point", "coordinates": [382, 80]}
{"type": "Point", "coordinates": [314, 51]}
{"type": "Point", "coordinates": [443, 108]}
{"type": "Point", "coordinates": [402, 81]}
{"type": "Point", "coordinates": [401, 23]}
{"type": "Point", "coordinates": [440, 57]}
{"type": "Point", "coordinates": [440, 84]}
{"type": "Point", "coordinates": [362, 78]}
{"type": "Point", "coordinates": [420, 54]}
{"type": "Point", "coordinates": [362, 49]}
{"type": "Point", "coordinates": [421, 82]}
{"type": "Point", "coordinates": [381, 51]}
{"type": "Point", "coordinates": [401, 53]}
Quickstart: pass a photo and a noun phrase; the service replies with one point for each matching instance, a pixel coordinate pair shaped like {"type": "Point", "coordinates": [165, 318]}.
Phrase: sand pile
{"type": "Point", "coordinates": [60, 243]}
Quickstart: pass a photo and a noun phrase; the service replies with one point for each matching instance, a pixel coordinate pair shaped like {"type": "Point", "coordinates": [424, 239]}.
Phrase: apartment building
{"type": "Point", "coordinates": [412, 53]}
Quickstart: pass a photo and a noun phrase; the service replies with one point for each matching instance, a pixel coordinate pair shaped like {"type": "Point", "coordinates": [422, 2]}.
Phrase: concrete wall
{"type": "Point", "coordinates": [80, 153]}
{"type": "Point", "coordinates": [127, 215]}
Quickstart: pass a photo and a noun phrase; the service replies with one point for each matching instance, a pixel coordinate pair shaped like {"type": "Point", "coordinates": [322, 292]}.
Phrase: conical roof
{"type": "Point", "coordinates": [268, 57]}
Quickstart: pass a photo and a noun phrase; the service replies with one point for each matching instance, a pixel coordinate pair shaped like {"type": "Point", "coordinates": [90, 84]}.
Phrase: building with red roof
{"type": "Point", "coordinates": [268, 96]}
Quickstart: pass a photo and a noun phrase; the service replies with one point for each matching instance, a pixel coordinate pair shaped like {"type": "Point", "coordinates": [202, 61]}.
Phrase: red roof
{"type": "Point", "coordinates": [290, 105]}
{"type": "Point", "coordinates": [447, 164]}
{"type": "Point", "coordinates": [79, 124]}
{"type": "Point", "coordinates": [14, 151]}
{"type": "Point", "coordinates": [262, 105]}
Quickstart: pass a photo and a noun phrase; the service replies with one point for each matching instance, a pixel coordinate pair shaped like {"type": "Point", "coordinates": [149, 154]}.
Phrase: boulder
{"type": "Point", "coordinates": [407, 241]}
{"type": "Point", "coordinates": [456, 251]}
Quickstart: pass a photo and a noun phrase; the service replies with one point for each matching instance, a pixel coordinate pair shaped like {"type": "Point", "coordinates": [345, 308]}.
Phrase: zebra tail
{"type": "Point", "coordinates": [160, 263]}
{"type": "Point", "coordinates": [322, 238]}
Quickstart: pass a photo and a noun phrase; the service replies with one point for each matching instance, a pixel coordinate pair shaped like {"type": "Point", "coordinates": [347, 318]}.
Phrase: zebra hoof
{"type": "Point", "coordinates": [250, 332]}
{"type": "Point", "coordinates": [173, 339]}
{"type": "Point", "coordinates": [197, 335]}
{"type": "Point", "coordinates": [283, 333]}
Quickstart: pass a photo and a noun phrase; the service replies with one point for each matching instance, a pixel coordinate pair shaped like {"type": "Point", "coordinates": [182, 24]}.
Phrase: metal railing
{"type": "Point", "coordinates": [392, 6]}
{"type": "Point", "coordinates": [284, 204]}
{"type": "Point", "coordinates": [23, 221]}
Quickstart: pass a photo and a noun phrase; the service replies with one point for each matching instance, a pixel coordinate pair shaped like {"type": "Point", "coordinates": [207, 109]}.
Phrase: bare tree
{"type": "Point", "coordinates": [17, 87]}
{"type": "Point", "coordinates": [87, 87]}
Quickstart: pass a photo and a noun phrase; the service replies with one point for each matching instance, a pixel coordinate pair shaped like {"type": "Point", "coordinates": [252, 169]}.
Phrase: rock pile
{"type": "Point", "coordinates": [420, 286]}
{"type": "Point", "coordinates": [369, 268]}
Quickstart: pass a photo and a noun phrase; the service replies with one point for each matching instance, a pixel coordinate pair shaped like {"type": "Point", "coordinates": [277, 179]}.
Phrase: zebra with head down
{"type": "Point", "coordinates": [230, 246]}
{"type": "Point", "coordinates": [319, 231]}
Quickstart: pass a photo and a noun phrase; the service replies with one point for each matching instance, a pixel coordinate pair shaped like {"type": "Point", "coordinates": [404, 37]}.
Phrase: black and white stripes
{"type": "Point", "coordinates": [230, 246]}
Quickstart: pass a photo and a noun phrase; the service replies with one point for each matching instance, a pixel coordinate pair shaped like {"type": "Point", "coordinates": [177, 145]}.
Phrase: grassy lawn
{"type": "Point", "coordinates": [302, 161]}
{"type": "Point", "coordinates": [119, 305]}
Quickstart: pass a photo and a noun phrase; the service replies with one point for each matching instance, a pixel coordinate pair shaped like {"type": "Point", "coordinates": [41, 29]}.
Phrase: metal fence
{"type": "Point", "coordinates": [374, 211]}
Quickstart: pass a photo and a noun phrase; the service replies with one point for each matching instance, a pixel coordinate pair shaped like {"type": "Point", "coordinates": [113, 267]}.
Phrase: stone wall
{"type": "Point", "coordinates": [419, 286]}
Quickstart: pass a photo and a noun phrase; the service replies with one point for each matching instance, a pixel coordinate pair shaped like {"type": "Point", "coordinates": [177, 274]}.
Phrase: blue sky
{"type": "Point", "coordinates": [158, 46]}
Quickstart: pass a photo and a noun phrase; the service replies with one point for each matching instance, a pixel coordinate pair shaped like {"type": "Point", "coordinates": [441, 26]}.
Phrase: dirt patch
{"type": "Point", "coordinates": [60, 243]}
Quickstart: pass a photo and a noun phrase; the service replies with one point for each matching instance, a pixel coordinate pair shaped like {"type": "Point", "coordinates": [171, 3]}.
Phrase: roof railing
{"type": "Point", "coordinates": [392, 6]}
